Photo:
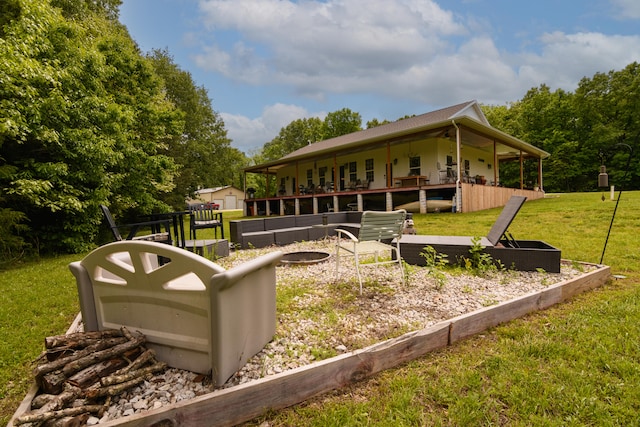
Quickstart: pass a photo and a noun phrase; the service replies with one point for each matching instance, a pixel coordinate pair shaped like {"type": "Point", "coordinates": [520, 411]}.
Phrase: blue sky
{"type": "Point", "coordinates": [266, 63]}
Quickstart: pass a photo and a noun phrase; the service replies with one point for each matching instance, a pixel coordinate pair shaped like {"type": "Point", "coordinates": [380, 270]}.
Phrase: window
{"type": "Point", "coordinates": [368, 167]}
{"type": "Point", "coordinates": [353, 172]}
{"type": "Point", "coordinates": [309, 177]}
{"type": "Point", "coordinates": [414, 166]}
{"type": "Point", "coordinates": [321, 176]}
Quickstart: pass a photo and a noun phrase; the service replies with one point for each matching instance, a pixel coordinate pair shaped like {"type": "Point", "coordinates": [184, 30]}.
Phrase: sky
{"type": "Point", "coordinates": [265, 63]}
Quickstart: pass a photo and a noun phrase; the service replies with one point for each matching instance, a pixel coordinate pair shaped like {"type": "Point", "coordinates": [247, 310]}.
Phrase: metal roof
{"type": "Point", "coordinates": [476, 131]}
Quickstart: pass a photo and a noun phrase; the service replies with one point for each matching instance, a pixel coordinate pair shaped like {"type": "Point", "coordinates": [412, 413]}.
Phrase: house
{"type": "Point", "coordinates": [227, 197]}
{"type": "Point", "coordinates": [449, 159]}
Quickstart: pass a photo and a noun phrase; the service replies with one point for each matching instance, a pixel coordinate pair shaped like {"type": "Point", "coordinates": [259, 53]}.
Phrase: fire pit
{"type": "Point", "coordinates": [304, 257]}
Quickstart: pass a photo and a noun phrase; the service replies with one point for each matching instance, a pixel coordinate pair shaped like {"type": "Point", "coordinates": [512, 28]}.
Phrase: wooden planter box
{"type": "Point", "coordinates": [244, 402]}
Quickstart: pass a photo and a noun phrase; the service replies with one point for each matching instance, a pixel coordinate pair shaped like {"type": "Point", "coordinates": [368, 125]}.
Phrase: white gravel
{"type": "Point", "coordinates": [320, 316]}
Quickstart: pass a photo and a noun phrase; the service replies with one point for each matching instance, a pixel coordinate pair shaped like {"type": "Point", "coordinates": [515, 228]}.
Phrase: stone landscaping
{"type": "Point", "coordinates": [320, 318]}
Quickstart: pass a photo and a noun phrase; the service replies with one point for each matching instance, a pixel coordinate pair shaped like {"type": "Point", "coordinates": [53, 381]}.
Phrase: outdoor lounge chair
{"type": "Point", "coordinates": [156, 235]}
{"type": "Point", "coordinates": [377, 231]}
{"type": "Point", "coordinates": [195, 314]}
{"type": "Point", "coordinates": [524, 255]}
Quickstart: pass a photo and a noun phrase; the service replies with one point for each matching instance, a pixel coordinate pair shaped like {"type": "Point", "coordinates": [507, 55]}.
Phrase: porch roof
{"type": "Point", "coordinates": [475, 131]}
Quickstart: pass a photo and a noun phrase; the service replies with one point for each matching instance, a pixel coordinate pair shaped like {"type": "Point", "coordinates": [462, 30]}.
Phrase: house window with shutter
{"type": "Point", "coordinates": [368, 167]}
{"type": "Point", "coordinates": [414, 166]}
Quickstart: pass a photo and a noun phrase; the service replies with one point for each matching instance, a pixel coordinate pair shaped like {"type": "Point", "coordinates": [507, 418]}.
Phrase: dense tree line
{"type": "Point", "coordinates": [579, 129]}
{"type": "Point", "coordinates": [86, 118]}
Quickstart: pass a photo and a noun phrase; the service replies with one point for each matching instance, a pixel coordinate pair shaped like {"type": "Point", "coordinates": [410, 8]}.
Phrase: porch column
{"type": "Point", "coordinates": [388, 165]}
{"type": "Point", "coordinates": [266, 184]}
{"type": "Point", "coordinates": [296, 210]}
{"type": "Point", "coordinates": [336, 188]}
{"type": "Point", "coordinates": [458, 170]}
{"type": "Point", "coordinates": [540, 174]}
{"type": "Point", "coordinates": [521, 171]}
{"type": "Point", "coordinates": [389, 197]}
{"type": "Point", "coordinates": [336, 206]}
{"type": "Point", "coordinates": [360, 202]}
{"type": "Point", "coordinates": [315, 205]}
{"type": "Point", "coordinates": [267, 207]}
{"type": "Point", "coordinates": [423, 201]}
{"type": "Point", "coordinates": [281, 207]}
{"type": "Point", "coordinates": [495, 164]}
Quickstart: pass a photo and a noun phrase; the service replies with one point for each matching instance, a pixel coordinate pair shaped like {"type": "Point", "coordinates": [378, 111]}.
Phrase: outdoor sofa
{"type": "Point", "coordinates": [283, 230]}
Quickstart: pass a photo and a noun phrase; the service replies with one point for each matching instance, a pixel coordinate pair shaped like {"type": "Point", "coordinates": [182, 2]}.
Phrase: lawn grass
{"type": "Point", "coordinates": [575, 364]}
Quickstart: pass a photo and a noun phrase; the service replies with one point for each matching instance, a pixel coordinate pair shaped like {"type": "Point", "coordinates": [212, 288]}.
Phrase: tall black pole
{"type": "Point", "coordinates": [626, 171]}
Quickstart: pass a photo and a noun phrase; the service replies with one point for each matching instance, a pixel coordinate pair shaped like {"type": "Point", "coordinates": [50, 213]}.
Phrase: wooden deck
{"type": "Point", "coordinates": [475, 197]}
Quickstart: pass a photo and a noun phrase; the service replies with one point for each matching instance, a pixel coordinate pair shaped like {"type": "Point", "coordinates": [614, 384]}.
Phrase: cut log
{"type": "Point", "coordinates": [57, 353]}
{"type": "Point", "coordinates": [59, 363]}
{"type": "Point", "coordinates": [53, 382]}
{"type": "Point", "coordinates": [93, 373]}
{"type": "Point", "coordinates": [95, 357]}
{"type": "Point", "coordinates": [80, 339]}
{"type": "Point", "coordinates": [77, 421]}
{"type": "Point", "coordinates": [147, 356]}
{"type": "Point", "coordinates": [42, 399]}
{"type": "Point", "coordinates": [46, 416]}
{"type": "Point", "coordinates": [114, 389]}
{"type": "Point", "coordinates": [128, 376]}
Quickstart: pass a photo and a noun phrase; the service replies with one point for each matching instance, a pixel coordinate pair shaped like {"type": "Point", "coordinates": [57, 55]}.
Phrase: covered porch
{"type": "Point", "coordinates": [447, 160]}
{"type": "Point", "coordinates": [416, 199]}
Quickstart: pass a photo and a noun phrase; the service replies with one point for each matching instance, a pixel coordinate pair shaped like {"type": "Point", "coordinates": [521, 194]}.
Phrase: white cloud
{"type": "Point", "coordinates": [312, 42]}
{"type": "Point", "coordinates": [249, 134]}
{"type": "Point", "coordinates": [408, 50]}
{"type": "Point", "coordinates": [566, 58]}
{"type": "Point", "coordinates": [628, 9]}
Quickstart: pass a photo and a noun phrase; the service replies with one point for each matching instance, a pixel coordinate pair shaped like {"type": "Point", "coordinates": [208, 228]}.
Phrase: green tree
{"type": "Point", "coordinates": [608, 111]}
{"type": "Point", "coordinates": [292, 137]}
{"type": "Point", "coordinates": [341, 122]}
{"type": "Point", "coordinates": [202, 149]}
{"type": "Point", "coordinates": [82, 122]}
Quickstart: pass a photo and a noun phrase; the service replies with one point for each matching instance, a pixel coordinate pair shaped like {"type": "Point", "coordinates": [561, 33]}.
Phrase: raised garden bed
{"type": "Point", "coordinates": [243, 402]}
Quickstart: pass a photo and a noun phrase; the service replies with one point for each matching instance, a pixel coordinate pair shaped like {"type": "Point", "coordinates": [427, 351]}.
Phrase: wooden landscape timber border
{"type": "Point", "coordinates": [228, 407]}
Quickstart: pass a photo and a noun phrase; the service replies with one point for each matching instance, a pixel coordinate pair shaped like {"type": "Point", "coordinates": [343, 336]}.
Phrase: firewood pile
{"type": "Point", "coordinates": [79, 373]}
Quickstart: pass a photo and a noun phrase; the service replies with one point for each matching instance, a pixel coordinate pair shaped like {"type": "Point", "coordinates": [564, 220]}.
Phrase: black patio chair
{"type": "Point", "coordinates": [202, 217]}
{"type": "Point", "coordinates": [155, 229]}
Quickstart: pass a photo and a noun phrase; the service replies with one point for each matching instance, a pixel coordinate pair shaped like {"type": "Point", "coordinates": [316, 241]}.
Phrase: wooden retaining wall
{"type": "Point", "coordinates": [242, 403]}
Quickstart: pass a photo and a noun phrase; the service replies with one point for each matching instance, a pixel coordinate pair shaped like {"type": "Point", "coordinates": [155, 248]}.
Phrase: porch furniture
{"type": "Point", "coordinates": [177, 219]}
{"type": "Point", "coordinates": [524, 255]}
{"type": "Point", "coordinates": [202, 217]}
{"type": "Point", "coordinates": [155, 227]}
{"type": "Point", "coordinates": [195, 314]}
{"type": "Point", "coordinates": [283, 230]}
{"type": "Point", "coordinates": [362, 185]}
{"type": "Point", "coordinates": [412, 181]}
{"type": "Point", "coordinates": [447, 176]}
{"type": "Point", "coordinates": [377, 232]}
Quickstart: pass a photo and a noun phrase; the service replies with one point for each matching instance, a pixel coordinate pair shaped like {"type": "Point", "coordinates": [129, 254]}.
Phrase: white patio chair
{"type": "Point", "coordinates": [378, 231]}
